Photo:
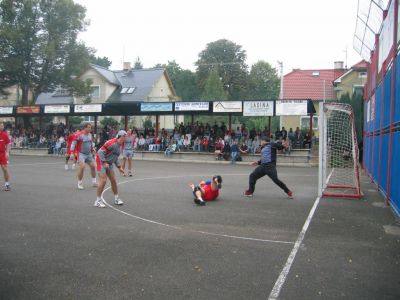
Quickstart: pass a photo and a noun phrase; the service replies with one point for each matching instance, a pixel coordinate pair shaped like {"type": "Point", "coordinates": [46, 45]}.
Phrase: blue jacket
{"type": "Point", "coordinates": [268, 153]}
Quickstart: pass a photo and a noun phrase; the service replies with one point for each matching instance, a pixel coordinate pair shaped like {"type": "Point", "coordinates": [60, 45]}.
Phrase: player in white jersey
{"type": "Point", "coordinates": [127, 152]}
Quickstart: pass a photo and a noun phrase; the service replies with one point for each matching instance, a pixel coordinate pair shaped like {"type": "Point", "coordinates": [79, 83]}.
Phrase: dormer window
{"type": "Point", "coordinates": [128, 90]}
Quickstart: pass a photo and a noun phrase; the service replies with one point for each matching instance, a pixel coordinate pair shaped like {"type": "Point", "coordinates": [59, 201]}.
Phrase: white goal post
{"type": "Point", "coordinates": [338, 152]}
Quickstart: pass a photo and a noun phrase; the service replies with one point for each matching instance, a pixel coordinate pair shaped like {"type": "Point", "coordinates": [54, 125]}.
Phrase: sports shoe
{"type": "Point", "coordinates": [80, 186]}
{"type": "Point", "coordinates": [248, 194]}
{"type": "Point", "coordinates": [130, 174]}
{"type": "Point", "coordinates": [66, 167]}
{"type": "Point", "coordinates": [99, 203]}
{"type": "Point", "coordinates": [7, 188]}
{"type": "Point", "coordinates": [199, 202]}
{"type": "Point", "coordinates": [118, 201]}
{"type": "Point", "coordinates": [73, 167]}
{"type": "Point", "coordinates": [94, 184]}
{"type": "Point", "coordinates": [290, 195]}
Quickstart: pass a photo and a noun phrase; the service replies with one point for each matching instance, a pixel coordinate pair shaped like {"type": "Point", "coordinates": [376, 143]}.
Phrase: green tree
{"type": "Point", "coordinates": [357, 104]}
{"type": "Point", "coordinates": [100, 61]}
{"type": "Point", "coordinates": [264, 82]}
{"type": "Point", "coordinates": [108, 121]}
{"type": "Point", "coordinates": [39, 51]}
{"type": "Point", "coordinates": [228, 59]}
{"type": "Point", "coordinates": [184, 81]}
{"type": "Point", "coordinates": [213, 89]}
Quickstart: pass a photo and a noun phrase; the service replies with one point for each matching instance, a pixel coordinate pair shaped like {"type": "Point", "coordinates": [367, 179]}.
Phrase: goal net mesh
{"type": "Point", "coordinates": [340, 168]}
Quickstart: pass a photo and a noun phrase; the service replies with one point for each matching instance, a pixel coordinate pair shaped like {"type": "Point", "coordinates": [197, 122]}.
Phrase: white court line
{"type": "Point", "coordinates": [285, 271]}
{"type": "Point", "coordinates": [180, 228]}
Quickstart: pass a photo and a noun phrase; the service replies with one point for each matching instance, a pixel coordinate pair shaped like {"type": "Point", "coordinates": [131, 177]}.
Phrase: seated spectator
{"type": "Point", "coordinates": [171, 148]}
{"type": "Point", "coordinates": [219, 149]}
{"type": "Point", "coordinates": [179, 143]}
{"type": "Point", "coordinates": [227, 151]}
{"type": "Point", "coordinates": [197, 144]}
{"type": "Point", "coordinates": [141, 143]}
{"type": "Point", "coordinates": [298, 138]}
{"type": "Point", "coordinates": [307, 140]}
{"type": "Point", "coordinates": [186, 143]}
{"type": "Point", "coordinates": [234, 151]}
{"type": "Point", "coordinates": [204, 144]}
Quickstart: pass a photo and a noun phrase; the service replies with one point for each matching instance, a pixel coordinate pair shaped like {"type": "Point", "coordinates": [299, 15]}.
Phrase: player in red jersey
{"type": "Point", "coordinates": [70, 154]}
{"type": "Point", "coordinates": [206, 190]}
{"type": "Point", "coordinates": [5, 144]}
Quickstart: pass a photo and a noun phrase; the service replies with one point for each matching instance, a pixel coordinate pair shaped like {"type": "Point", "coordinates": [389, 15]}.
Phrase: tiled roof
{"type": "Point", "coordinates": [53, 98]}
{"type": "Point", "coordinates": [310, 84]}
{"type": "Point", "coordinates": [142, 80]}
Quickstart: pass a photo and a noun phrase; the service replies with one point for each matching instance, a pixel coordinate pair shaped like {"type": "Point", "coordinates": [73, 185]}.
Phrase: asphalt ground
{"type": "Point", "coordinates": [160, 245]}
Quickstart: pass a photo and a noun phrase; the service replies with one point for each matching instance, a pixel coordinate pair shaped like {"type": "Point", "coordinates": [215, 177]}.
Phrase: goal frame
{"type": "Point", "coordinates": [323, 184]}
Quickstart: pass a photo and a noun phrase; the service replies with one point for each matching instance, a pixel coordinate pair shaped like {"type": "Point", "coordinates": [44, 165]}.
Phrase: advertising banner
{"type": "Point", "coordinates": [386, 36]}
{"type": "Point", "coordinates": [87, 108]}
{"type": "Point", "coordinates": [291, 108]}
{"type": "Point", "coordinates": [28, 110]}
{"type": "Point", "coordinates": [6, 110]}
{"type": "Point", "coordinates": [227, 106]}
{"type": "Point", "coordinates": [192, 106]}
{"type": "Point", "coordinates": [155, 107]}
{"type": "Point", "coordinates": [56, 109]}
{"type": "Point", "coordinates": [258, 108]}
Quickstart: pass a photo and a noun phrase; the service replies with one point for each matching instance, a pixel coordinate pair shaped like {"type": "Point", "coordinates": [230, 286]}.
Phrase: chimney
{"type": "Point", "coordinates": [127, 66]}
{"type": "Point", "coordinates": [338, 65]}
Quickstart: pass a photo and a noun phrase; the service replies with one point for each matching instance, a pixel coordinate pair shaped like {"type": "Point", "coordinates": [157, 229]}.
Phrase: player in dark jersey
{"type": "Point", "coordinates": [266, 166]}
{"type": "Point", "coordinates": [206, 190]}
{"type": "Point", "coordinates": [106, 157]}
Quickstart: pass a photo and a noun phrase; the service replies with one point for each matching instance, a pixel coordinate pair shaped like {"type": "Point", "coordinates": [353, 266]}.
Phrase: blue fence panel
{"type": "Point", "coordinates": [397, 92]}
{"type": "Point", "coordinates": [375, 159]}
{"type": "Point", "coordinates": [395, 173]}
{"type": "Point", "coordinates": [387, 98]}
{"type": "Point", "coordinates": [378, 98]}
{"type": "Point", "coordinates": [384, 163]}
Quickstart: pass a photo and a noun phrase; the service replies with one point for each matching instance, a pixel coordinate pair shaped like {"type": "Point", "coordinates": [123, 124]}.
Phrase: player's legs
{"type": "Point", "coordinates": [6, 176]}
{"type": "Point", "coordinates": [100, 189]}
{"type": "Point", "coordinates": [254, 176]}
{"type": "Point", "coordinates": [114, 187]}
{"type": "Point", "coordinates": [123, 163]}
{"type": "Point", "coordinates": [273, 174]}
{"type": "Point", "coordinates": [130, 166]}
{"type": "Point", "coordinates": [197, 193]}
{"type": "Point", "coordinates": [93, 172]}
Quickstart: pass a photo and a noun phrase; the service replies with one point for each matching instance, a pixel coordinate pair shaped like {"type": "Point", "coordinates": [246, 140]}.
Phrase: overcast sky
{"type": "Point", "coordinates": [307, 34]}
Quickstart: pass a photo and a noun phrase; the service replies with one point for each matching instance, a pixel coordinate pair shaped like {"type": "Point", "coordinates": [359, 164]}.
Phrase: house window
{"type": "Point", "coordinates": [89, 118]}
{"type": "Point", "coordinates": [358, 90]}
{"type": "Point", "coordinates": [362, 75]}
{"type": "Point", "coordinates": [305, 122]}
{"type": "Point", "coordinates": [95, 93]}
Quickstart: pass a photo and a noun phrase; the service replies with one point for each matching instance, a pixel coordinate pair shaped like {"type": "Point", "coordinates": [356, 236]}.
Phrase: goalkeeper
{"type": "Point", "coordinates": [266, 166]}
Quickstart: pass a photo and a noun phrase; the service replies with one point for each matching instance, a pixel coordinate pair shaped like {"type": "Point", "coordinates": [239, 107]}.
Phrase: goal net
{"type": "Point", "coordinates": [338, 152]}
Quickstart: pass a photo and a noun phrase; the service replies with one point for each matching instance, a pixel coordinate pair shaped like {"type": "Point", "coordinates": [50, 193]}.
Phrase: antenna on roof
{"type": "Point", "coordinates": [345, 59]}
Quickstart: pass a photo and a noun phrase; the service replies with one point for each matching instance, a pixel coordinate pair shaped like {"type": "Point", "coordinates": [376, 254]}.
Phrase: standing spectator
{"type": "Point", "coordinates": [5, 145]}
{"type": "Point", "coordinates": [234, 151]}
{"type": "Point", "coordinates": [284, 133]}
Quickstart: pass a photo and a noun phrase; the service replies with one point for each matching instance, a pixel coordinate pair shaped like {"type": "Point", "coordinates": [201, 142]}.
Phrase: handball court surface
{"type": "Point", "coordinates": [159, 245]}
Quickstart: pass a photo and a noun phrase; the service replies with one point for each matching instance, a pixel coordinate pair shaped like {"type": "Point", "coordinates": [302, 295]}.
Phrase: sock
{"type": "Point", "coordinates": [7, 183]}
{"type": "Point", "coordinates": [94, 179]}
{"type": "Point", "coordinates": [98, 199]}
{"type": "Point", "coordinates": [79, 181]}
{"type": "Point", "coordinates": [116, 196]}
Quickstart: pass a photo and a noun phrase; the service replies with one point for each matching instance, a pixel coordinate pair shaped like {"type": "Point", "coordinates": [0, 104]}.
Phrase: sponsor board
{"type": "Point", "coordinates": [56, 109]}
{"type": "Point", "coordinates": [227, 106]}
{"type": "Point", "coordinates": [291, 108]}
{"type": "Point", "coordinates": [28, 110]}
{"type": "Point", "coordinates": [192, 106]}
{"type": "Point", "coordinates": [6, 110]}
{"type": "Point", "coordinates": [258, 108]}
{"type": "Point", "coordinates": [155, 107]}
{"type": "Point", "coordinates": [87, 108]}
